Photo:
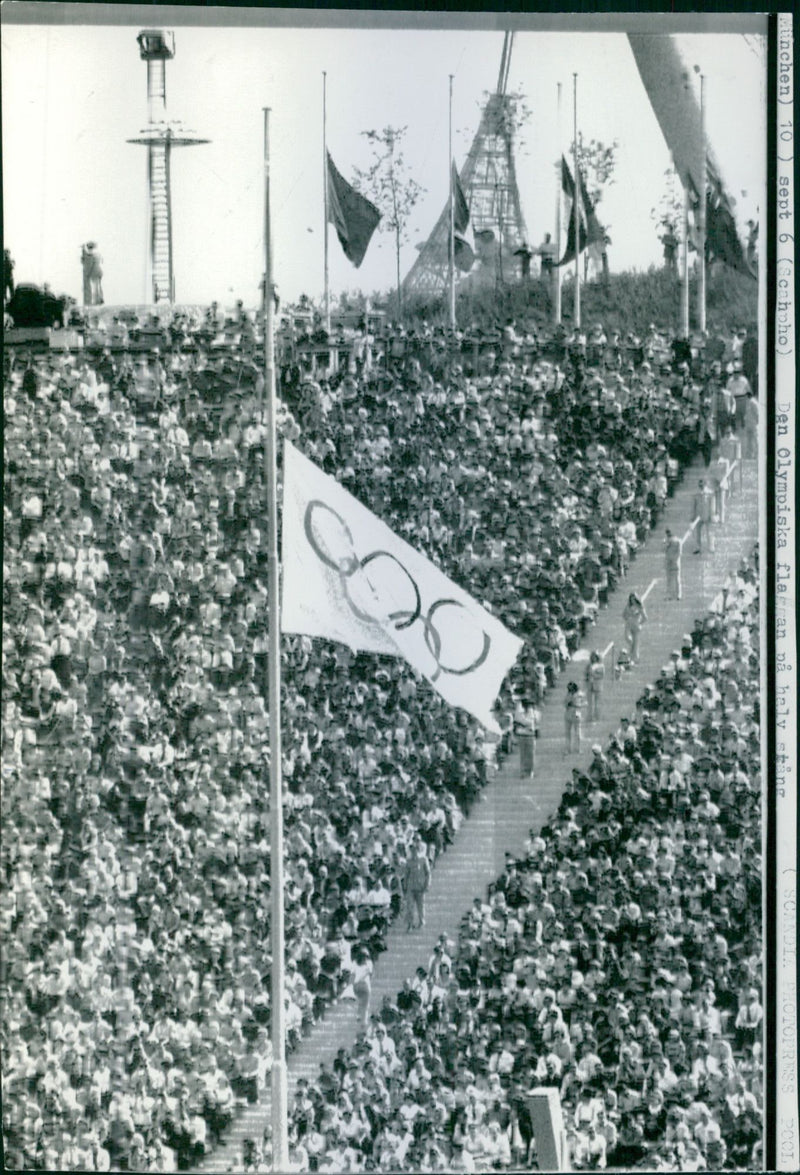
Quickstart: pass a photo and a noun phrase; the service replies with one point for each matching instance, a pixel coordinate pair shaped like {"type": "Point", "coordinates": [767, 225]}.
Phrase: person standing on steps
{"type": "Point", "coordinates": [595, 675]}
{"type": "Point", "coordinates": [635, 617]}
{"type": "Point", "coordinates": [417, 880]}
{"type": "Point", "coordinates": [526, 731]}
{"type": "Point", "coordinates": [739, 389]}
{"type": "Point", "coordinates": [703, 513]}
{"type": "Point", "coordinates": [706, 429]}
{"type": "Point", "coordinates": [574, 707]}
{"type": "Point", "coordinates": [751, 414]}
{"type": "Point", "coordinates": [362, 982]}
{"type": "Point", "coordinates": [673, 549]}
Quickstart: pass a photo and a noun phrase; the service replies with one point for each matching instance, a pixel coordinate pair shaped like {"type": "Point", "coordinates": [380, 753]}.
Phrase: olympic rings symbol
{"type": "Point", "coordinates": [347, 565]}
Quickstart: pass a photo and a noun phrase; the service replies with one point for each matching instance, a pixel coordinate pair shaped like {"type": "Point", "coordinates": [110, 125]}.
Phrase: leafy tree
{"type": "Point", "coordinates": [597, 162]}
{"type": "Point", "coordinates": [392, 189]}
{"type": "Point", "coordinates": [516, 115]}
{"type": "Point", "coordinates": [667, 217]}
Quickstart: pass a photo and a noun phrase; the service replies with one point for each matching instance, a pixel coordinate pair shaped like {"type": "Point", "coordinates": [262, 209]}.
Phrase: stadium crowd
{"type": "Point", "coordinates": [135, 730]}
{"type": "Point", "coordinates": [618, 960]}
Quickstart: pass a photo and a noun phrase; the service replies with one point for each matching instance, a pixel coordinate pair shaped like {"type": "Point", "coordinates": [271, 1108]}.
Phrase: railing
{"type": "Point", "coordinates": [690, 531]}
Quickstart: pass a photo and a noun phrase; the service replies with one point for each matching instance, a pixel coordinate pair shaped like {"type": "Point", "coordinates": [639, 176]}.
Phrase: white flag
{"type": "Point", "coordinates": [347, 577]}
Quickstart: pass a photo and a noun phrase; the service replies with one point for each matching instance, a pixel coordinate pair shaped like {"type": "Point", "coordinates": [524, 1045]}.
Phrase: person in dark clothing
{"type": "Point", "coordinates": [417, 880]}
{"type": "Point", "coordinates": [670, 245]}
{"type": "Point", "coordinates": [750, 360]}
{"type": "Point", "coordinates": [8, 276]}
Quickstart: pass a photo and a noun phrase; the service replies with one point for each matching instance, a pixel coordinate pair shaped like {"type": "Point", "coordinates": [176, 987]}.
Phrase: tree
{"type": "Point", "coordinates": [516, 115]}
{"type": "Point", "coordinates": [667, 218]}
{"type": "Point", "coordinates": [596, 163]}
{"type": "Point", "coordinates": [388, 184]}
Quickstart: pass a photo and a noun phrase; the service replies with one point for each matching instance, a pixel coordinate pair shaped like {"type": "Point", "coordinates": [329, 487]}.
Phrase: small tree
{"type": "Point", "coordinates": [667, 218]}
{"type": "Point", "coordinates": [596, 163]}
{"type": "Point", "coordinates": [389, 185]}
{"type": "Point", "coordinates": [516, 115]}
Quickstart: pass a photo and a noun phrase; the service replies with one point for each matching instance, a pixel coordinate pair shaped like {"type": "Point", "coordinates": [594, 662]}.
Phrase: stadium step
{"type": "Point", "coordinates": [511, 806]}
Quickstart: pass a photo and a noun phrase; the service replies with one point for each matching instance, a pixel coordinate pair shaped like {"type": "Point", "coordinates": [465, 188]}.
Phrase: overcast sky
{"type": "Point", "coordinates": [72, 94]}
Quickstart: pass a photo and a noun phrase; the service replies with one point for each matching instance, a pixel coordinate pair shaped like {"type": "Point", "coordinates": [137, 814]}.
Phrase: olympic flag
{"type": "Point", "coordinates": [349, 578]}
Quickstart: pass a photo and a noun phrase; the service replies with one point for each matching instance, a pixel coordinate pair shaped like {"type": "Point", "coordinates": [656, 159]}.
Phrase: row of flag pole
{"type": "Point", "coordinates": [355, 218]}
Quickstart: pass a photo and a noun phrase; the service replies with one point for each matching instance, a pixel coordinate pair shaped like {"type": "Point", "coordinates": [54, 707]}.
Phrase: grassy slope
{"type": "Point", "coordinates": [630, 301]}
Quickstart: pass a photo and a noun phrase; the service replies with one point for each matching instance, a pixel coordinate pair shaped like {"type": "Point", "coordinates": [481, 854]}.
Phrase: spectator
{"type": "Point", "coordinates": [417, 880]}
{"type": "Point", "coordinates": [595, 675]}
{"type": "Point", "coordinates": [635, 617]}
{"type": "Point", "coordinates": [574, 706]}
{"type": "Point", "coordinates": [526, 731]}
{"type": "Point", "coordinates": [134, 723]}
{"type": "Point", "coordinates": [362, 983]}
{"type": "Point", "coordinates": [703, 513]}
{"type": "Point", "coordinates": [641, 1085]}
{"type": "Point", "coordinates": [673, 550]}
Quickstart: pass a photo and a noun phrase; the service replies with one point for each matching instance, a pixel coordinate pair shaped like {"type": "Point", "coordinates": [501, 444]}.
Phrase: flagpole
{"type": "Point", "coordinates": [557, 267]}
{"type": "Point", "coordinates": [576, 203]}
{"type": "Point", "coordinates": [685, 253]}
{"type": "Point", "coordinates": [280, 1149]}
{"type": "Point", "coordinates": [701, 217]}
{"type": "Point", "coordinates": [451, 269]}
{"type": "Point", "coordinates": [325, 190]}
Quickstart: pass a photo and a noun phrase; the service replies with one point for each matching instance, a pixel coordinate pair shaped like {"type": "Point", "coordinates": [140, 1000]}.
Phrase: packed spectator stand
{"type": "Point", "coordinates": [618, 959]}
{"type": "Point", "coordinates": [529, 466]}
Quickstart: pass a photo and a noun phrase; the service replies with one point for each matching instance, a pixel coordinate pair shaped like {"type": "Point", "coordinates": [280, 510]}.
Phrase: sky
{"type": "Point", "coordinates": [72, 94]}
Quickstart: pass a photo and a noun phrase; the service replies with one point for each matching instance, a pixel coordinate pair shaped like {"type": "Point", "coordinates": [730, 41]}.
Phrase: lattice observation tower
{"type": "Point", "coordinates": [489, 181]}
{"type": "Point", "coordinates": [157, 47]}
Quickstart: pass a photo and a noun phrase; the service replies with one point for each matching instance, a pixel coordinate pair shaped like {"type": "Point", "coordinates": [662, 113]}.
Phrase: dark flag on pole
{"type": "Point", "coordinates": [722, 237]}
{"type": "Point", "coordinates": [672, 97]}
{"type": "Point", "coordinates": [590, 229]}
{"type": "Point", "coordinates": [460, 206]}
{"type": "Point", "coordinates": [351, 214]}
{"type": "Point", "coordinates": [463, 253]}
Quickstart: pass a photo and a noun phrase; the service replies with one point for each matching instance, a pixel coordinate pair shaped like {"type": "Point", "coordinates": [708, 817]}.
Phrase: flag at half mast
{"type": "Point", "coordinates": [590, 230]}
{"type": "Point", "coordinates": [353, 216]}
{"type": "Point", "coordinates": [463, 252]}
{"type": "Point", "coordinates": [669, 87]}
{"type": "Point", "coordinates": [347, 577]}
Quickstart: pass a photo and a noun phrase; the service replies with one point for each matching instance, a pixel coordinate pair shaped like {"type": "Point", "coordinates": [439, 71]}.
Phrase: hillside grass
{"type": "Point", "coordinates": [628, 302]}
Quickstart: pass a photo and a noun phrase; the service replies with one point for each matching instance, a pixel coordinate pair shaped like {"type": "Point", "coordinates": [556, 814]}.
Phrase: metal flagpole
{"type": "Point", "coordinates": [451, 269]}
{"type": "Point", "coordinates": [325, 189]}
{"type": "Point", "coordinates": [280, 1150]}
{"type": "Point", "coordinates": [557, 267]}
{"type": "Point", "coordinates": [685, 255]}
{"type": "Point", "coordinates": [701, 215]}
{"type": "Point", "coordinates": [576, 203]}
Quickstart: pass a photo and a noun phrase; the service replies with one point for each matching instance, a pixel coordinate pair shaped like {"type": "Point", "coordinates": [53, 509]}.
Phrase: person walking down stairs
{"type": "Point", "coordinates": [635, 617]}
{"type": "Point", "coordinates": [417, 880]}
{"type": "Point", "coordinates": [703, 512]}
